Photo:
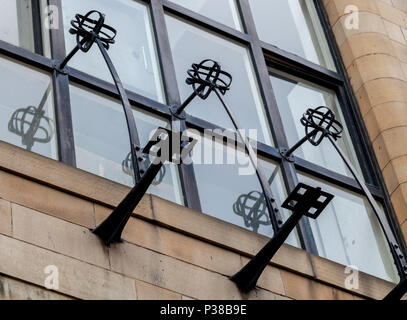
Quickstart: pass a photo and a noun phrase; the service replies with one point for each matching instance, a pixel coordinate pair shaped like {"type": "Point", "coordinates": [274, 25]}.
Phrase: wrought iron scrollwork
{"type": "Point", "coordinates": [320, 123]}
{"type": "Point", "coordinates": [206, 76]}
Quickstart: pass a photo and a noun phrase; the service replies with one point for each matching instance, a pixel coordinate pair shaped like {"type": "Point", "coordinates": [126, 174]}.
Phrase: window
{"type": "Point", "coordinates": [271, 89]}
{"type": "Point", "coordinates": [135, 58]}
{"type": "Point", "coordinates": [16, 23]}
{"type": "Point", "coordinates": [223, 11]}
{"type": "Point", "coordinates": [26, 108]}
{"type": "Point", "coordinates": [303, 34]}
{"type": "Point", "coordinates": [189, 45]}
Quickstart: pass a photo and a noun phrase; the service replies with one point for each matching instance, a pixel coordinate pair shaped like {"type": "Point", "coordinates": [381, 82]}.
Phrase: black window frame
{"type": "Point", "coordinates": [264, 56]}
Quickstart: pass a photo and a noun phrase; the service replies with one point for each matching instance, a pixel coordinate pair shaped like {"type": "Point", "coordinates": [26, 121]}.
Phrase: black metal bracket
{"type": "Point", "coordinates": [164, 144]}
{"type": "Point", "coordinates": [303, 201]}
{"type": "Point", "coordinates": [207, 77]}
{"type": "Point", "coordinates": [319, 124]}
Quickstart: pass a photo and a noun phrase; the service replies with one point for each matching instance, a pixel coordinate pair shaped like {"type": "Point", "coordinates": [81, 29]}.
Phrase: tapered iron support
{"type": "Point", "coordinates": [319, 124]}
{"type": "Point", "coordinates": [303, 201]}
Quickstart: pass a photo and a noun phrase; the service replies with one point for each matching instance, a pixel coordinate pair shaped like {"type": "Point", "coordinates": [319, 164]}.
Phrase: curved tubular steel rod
{"type": "Point", "coordinates": [271, 204]}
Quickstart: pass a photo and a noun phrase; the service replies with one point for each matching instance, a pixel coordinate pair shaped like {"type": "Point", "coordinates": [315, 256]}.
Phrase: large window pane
{"type": "Point", "coordinates": [229, 188]}
{"type": "Point", "coordinates": [294, 97]}
{"type": "Point", "coordinates": [348, 232]}
{"type": "Point", "coordinates": [292, 25]}
{"type": "Point", "coordinates": [223, 11]}
{"type": "Point", "coordinates": [189, 45]}
{"type": "Point", "coordinates": [102, 142]}
{"type": "Point", "coordinates": [26, 108]}
{"type": "Point", "coordinates": [16, 23]}
{"type": "Point", "coordinates": [133, 54]}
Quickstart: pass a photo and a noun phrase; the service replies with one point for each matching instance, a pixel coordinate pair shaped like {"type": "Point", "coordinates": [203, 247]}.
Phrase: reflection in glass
{"type": "Point", "coordinates": [102, 141]}
{"type": "Point", "coordinates": [223, 11]}
{"type": "Point", "coordinates": [190, 45]}
{"type": "Point", "coordinates": [28, 119]}
{"type": "Point", "coordinates": [16, 23]}
{"type": "Point", "coordinates": [349, 233]}
{"type": "Point", "coordinates": [229, 188]}
{"type": "Point", "coordinates": [303, 33]}
{"type": "Point", "coordinates": [134, 54]}
{"type": "Point", "coordinates": [294, 97]}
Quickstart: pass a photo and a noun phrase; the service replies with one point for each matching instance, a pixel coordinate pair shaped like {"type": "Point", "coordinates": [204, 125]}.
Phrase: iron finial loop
{"type": "Point", "coordinates": [90, 27]}
{"type": "Point", "coordinates": [319, 123]}
{"type": "Point", "coordinates": [206, 76]}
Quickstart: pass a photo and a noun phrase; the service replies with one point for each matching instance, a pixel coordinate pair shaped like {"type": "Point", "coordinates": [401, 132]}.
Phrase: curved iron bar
{"type": "Point", "coordinates": [322, 121]}
{"type": "Point", "coordinates": [19, 122]}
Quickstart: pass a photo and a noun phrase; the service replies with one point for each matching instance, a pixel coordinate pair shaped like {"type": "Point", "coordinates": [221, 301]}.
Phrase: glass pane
{"type": "Point", "coordinates": [348, 232]}
{"type": "Point", "coordinates": [133, 54]}
{"type": "Point", "coordinates": [26, 108]}
{"type": "Point", "coordinates": [294, 97]}
{"type": "Point", "coordinates": [223, 11]}
{"type": "Point", "coordinates": [102, 142]}
{"type": "Point", "coordinates": [302, 30]}
{"type": "Point", "coordinates": [229, 188]}
{"type": "Point", "coordinates": [189, 45]}
{"type": "Point", "coordinates": [16, 23]}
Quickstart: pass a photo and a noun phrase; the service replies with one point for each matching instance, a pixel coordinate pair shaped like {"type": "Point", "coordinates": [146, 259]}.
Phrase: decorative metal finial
{"type": "Point", "coordinates": [204, 77]}
{"type": "Point", "coordinates": [319, 123]}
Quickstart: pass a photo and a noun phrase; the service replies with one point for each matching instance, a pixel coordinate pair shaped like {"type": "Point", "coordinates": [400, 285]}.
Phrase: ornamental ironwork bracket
{"type": "Point", "coordinates": [90, 29]}
{"type": "Point", "coordinates": [303, 201]}
{"type": "Point", "coordinates": [161, 144]}
{"type": "Point", "coordinates": [205, 78]}
{"type": "Point", "coordinates": [319, 124]}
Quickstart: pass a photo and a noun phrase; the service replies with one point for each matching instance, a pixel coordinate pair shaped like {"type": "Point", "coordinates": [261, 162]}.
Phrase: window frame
{"type": "Point", "coordinates": [263, 56]}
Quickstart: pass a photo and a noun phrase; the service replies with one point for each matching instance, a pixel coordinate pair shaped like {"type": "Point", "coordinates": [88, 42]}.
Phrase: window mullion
{"type": "Point", "coordinates": [187, 174]}
{"type": "Point", "coordinates": [63, 115]}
